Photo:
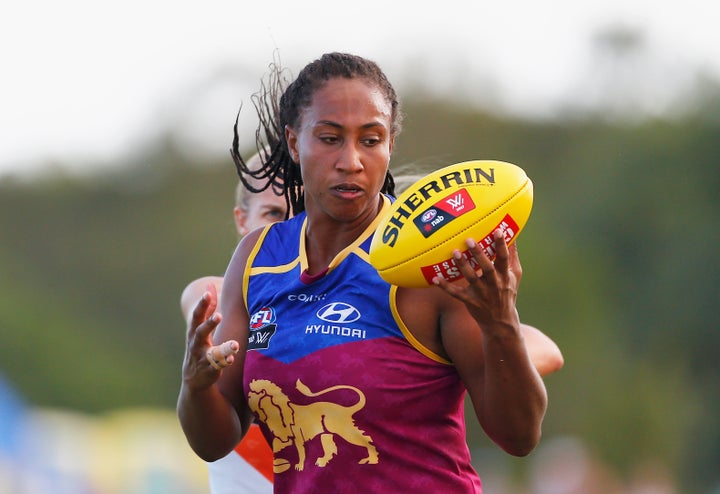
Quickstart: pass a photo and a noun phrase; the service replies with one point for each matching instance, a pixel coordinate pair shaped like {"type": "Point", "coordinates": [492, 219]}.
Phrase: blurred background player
{"type": "Point", "coordinates": [248, 469]}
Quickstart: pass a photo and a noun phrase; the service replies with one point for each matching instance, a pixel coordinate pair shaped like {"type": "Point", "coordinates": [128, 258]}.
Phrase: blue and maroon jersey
{"type": "Point", "coordinates": [347, 398]}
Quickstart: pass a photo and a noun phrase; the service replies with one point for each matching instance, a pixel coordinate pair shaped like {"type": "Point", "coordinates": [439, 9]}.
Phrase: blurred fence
{"type": "Point", "coordinates": [138, 451]}
{"type": "Point", "coordinates": [125, 452]}
{"type": "Point", "coordinates": [143, 451]}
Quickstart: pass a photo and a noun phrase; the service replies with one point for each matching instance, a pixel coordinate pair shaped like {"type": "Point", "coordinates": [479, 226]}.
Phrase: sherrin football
{"type": "Point", "coordinates": [434, 216]}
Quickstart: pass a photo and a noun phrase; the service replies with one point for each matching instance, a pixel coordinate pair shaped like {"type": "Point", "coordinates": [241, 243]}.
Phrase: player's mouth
{"type": "Point", "coordinates": [347, 191]}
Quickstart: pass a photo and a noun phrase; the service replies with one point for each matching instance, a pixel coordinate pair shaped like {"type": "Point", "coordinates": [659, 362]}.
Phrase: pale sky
{"type": "Point", "coordinates": [89, 80]}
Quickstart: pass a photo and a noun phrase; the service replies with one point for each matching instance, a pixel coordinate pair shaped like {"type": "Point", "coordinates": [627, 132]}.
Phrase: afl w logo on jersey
{"type": "Point", "coordinates": [339, 312]}
{"type": "Point", "coordinates": [262, 328]}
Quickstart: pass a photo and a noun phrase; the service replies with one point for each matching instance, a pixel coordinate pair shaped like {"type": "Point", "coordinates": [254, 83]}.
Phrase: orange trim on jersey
{"type": "Point", "coordinates": [255, 450]}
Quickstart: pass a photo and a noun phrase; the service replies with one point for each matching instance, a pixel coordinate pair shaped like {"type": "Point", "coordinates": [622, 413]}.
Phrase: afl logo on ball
{"type": "Point", "coordinates": [428, 215]}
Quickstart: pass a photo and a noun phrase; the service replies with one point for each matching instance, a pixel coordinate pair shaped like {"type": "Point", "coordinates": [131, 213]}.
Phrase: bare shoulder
{"type": "Point", "coordinates": [235, 319]}
{"type": "Point", "coordinates": [421, 310]}
{"type": "Point", "coordinates": [440, 322]}
{"type": "Point", "coordinates": [194, 290]}
{"type": "Point", "coordinates": [243, 250]}
{"type": "Point", "coordinates": [232, 283]}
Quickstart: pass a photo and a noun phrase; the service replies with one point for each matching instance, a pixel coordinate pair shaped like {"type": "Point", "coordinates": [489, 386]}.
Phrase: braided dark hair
{"type": "Point", "coordinates": [279, 104]}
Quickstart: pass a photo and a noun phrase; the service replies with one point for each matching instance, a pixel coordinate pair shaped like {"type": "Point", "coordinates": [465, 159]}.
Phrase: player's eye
{"type": "Point", "coordinates": [276, 214]}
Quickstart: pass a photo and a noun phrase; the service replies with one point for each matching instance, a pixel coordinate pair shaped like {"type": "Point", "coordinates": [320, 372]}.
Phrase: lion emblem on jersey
{"type": "Point", "coordinates": [293, 424]}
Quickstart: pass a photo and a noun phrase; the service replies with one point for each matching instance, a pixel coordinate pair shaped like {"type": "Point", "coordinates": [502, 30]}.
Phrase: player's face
{"type": "Point", "coordinates": [343, 144]}
{"type": "Point", "coordinates": [263, 208]}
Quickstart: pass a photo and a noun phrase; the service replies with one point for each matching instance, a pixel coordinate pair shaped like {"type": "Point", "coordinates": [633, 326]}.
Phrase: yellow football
{"type": "Point", "coordinates": [438, 213]}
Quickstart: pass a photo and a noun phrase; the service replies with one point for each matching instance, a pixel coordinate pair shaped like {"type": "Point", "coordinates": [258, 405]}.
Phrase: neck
{"type": "Point", "coordinates": [326, 237]}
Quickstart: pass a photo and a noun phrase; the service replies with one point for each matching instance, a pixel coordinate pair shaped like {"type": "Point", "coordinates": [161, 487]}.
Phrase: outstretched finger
{"type": "Point", "coordinates": [205, 307]}
{"type": "Point", "coordinates": [515, 265]}
{"type": "Point", "coordinates": [484, 263]}
{"type": "Point", "coordinates": [467, 268]}
{"type": "Point", "coordinates": [203, 331]}
{"type": "Point", "coordinates": [501, 250]}
{"type": "Point", "coordinates": [448, 287]}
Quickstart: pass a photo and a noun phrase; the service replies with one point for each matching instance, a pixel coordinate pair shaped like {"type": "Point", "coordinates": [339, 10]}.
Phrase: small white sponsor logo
{"type": "Point", "coordinates": [456, 202]}
{"type": "Point", "coordinates": [306, 297]}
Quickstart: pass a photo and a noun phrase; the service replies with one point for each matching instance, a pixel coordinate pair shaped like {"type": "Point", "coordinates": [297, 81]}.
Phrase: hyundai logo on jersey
{"type": "Point", "coordinates": [339, 312]}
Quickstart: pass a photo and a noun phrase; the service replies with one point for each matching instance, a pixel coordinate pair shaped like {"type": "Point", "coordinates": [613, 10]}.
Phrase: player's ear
{"type": "Point", "coordinates": [291, 139]}
{"type": "Point", "coordinates": [240, 221]}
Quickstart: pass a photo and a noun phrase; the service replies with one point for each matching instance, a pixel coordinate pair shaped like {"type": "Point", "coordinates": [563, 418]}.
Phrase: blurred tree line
{"type": "Point", "coordinates": [619, 258]}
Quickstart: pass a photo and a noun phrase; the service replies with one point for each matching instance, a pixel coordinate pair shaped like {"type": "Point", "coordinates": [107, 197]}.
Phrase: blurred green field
{"type": "Point", "coordinates": [619, 256]}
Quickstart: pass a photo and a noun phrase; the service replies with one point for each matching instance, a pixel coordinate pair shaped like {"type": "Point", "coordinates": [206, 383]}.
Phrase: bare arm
{"type": "Point", "coordinates": [211, 404]}
{"type": "Point", "coordinates": [194, 291]}
{"type": "Point", "coordinates": [489, 350]}
{"type": "Point", "coordinates": [205, 415]}
{"type": "Point", "coordinates": [544, 352]}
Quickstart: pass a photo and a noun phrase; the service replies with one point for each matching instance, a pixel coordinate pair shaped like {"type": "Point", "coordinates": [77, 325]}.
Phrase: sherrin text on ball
{"type": "Point", "coordinates": [435, 215]}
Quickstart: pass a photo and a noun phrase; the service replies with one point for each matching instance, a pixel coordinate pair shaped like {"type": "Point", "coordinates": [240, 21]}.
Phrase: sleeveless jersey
{"type": "Point", "coordinates": [346, 396]}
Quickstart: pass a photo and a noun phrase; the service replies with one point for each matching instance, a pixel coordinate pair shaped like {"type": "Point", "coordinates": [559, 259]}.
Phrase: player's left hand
{"type": "Point", "coordinates": [490, 290]}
